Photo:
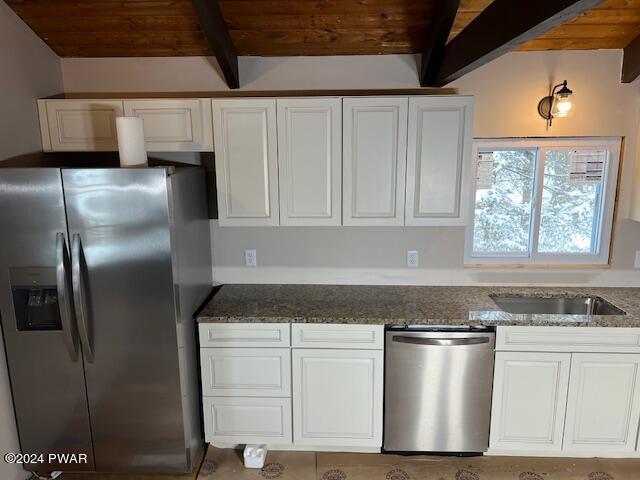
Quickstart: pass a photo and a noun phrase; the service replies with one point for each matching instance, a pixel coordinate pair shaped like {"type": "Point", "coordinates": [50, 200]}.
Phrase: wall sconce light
{"type": "Point", "coordinates": [559, 104]}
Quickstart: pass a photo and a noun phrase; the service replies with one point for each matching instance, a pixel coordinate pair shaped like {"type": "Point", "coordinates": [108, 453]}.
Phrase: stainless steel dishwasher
{"type": "Point", "coordinates": [438, 385]}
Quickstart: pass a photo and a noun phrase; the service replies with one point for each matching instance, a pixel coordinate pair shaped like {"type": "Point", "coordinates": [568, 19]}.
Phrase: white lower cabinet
{"type": "Point", "coordinates": [569, 402]}
{"type": "Point", "coordinates": [247, 420]}
{"type": "Point", "coordinates": [529, 399]}
{"type": "Point", "coordinates": [326, 395]}
{"type": "Point", "coordinates": [337, 397]}
{"type": "Point", "coordinates": [603, 409]}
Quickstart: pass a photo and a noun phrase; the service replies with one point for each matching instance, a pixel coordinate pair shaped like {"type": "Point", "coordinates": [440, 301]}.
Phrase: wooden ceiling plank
{"type": "Point", "coordinates": [600, 16]}
{"type": "Point", "coordinates": [107, 51]}
{"type": "Point", "coordinates": [500, 28]}
{"type": "Point", "coordinates": [214, 27]}
{"type": "Point", "coordinates": [77, 8]}
{"type": "Point", "coordinates": [291, 43]}
{"type": "Point", "coordinates": [436, 39]}
{"type": "Point", "coordinates": [326, 21]}
{"type": "Point", "coordinates": [631, 61]}
{"type": "Point", "coordinates": [133, 24]}
{"type": "Point", "coordinates": [348, 7]}
{"type": "Point", "coordinates": [620, 4]}
{"type": "Point", "coordinates": [160, 39]}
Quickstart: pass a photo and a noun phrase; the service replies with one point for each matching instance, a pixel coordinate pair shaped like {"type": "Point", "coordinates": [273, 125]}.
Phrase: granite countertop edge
{"type": "Point", "coordinates": [405, 305]}
{"type": "Point", "coordinates": [532, 320]}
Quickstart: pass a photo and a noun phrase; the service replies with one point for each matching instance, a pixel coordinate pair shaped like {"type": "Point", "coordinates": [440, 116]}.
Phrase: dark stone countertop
{"type": "Point", "coordinates": [424, 305]}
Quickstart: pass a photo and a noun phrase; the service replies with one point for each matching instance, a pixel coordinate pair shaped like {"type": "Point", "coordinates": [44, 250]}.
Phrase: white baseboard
{"type": "Point", "coordinates": [533, 453]}
{"type": "Point", "coordinates": [304, 448]}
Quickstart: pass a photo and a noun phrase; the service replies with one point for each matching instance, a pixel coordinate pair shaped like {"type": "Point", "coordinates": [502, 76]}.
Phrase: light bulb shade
{"type": "Point", "coordinates": [563, 104]}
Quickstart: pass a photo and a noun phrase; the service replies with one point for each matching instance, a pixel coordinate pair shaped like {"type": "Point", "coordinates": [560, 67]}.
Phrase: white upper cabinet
{"type": "Point", "coordinates": [438, 159]}
{"type": "Point", "coordinates": [318, 161]}
{"type": "Point", "coordinates": [79, 125]}
{"type": "Point", "coordinates": [604, 403]}
{"type": "Point", "coordinates": [374, 160]}
{"type": "Point", "coordinates": [181, 125]}
{"type": "Point", "coordinates": [246, 161]}
{"type": "Point", "coordinates": [310, 160]}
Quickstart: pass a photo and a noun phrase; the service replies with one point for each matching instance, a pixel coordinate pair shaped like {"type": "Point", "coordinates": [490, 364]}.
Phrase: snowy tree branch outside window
{"type": "Point", "coordinates": [533, 204]}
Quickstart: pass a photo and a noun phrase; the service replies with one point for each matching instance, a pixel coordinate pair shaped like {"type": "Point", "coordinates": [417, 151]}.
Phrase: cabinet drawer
{"type": "Point", "coordinates": [246, 372]}
{"type": "Point", "coordinates": [245, 334]}
{"type": "Point", "coordinates": [362, 337]}
{"type": "Point", "coordinates": [247, 420]}
{"type": "Point", "coordinates": [568, 339]}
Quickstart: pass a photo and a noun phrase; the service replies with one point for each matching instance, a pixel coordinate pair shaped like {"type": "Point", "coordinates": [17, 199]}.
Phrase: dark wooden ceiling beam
{"type": "Point", "coordinates": [631, 61]}
{"type": "Point", "coordinates": [501, 27]}
{"type": "Point", "coordinates": [214, 27]}
{"type": "Point", "coordinates": [436, 39]}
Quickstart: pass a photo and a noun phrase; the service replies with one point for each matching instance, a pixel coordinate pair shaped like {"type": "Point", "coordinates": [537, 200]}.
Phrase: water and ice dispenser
{"type": "Point", "coordinates": [35, 299]}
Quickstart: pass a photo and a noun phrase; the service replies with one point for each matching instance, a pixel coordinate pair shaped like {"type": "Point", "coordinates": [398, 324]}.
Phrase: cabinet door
{"type": "Point", "coordinates": [529, 399]}
{"type": "Point", "coordinates": [246, 169]}
{"type": "Point", "coordinates": [603, 409]}
{"type": "Point", "coordinates": [337, 397]}
{"type": "Point", "coordinates": [310, 161]}
{"type": "Point", "coordinates": [374, 157]}
{"type": "Point", "coordinates": [79, 125]}
{"type": "Point", "coordinates": [181, 125]}
{"type": "Point", "coordinates": [438, 159]}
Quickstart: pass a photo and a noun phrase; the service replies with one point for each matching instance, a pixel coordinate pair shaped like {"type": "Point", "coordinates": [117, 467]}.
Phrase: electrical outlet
{"type": "Point", "coordinates": [412, 258]}
{"type": "Point", "coordinates": [636, 264]}
{"type": "Point", "coordinates": [250, 258]}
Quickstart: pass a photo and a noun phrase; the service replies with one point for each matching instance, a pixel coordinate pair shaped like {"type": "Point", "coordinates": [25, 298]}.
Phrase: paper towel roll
{"type": "Point", "coordinates": [131, 142]}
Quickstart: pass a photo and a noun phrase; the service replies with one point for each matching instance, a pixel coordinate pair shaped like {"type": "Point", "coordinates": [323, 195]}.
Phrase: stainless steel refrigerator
{"type": "Point", "coordinates": [101, 271]}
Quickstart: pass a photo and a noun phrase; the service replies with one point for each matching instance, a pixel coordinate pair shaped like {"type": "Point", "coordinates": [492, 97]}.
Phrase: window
{"type": "Point", "coordinates": [545, 201]}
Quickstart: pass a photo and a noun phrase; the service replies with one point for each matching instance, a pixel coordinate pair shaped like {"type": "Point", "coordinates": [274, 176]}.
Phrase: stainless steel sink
{"type": "Point", "coordinates": [579, 305]}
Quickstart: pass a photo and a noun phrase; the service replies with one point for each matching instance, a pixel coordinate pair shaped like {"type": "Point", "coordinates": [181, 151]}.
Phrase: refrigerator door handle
{"type": "Point", "coordinates": [65, 303]}
{"type": "Point", "coordinates": [80, 297]}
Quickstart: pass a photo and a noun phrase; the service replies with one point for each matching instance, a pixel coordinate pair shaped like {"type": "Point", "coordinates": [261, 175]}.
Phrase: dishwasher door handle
{"type": "Point", "coordinates": [445, 342]}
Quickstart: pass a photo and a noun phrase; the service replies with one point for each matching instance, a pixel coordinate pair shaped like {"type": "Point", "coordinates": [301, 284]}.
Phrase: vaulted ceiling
{"type": "Point", "coordinates": [108, 28]}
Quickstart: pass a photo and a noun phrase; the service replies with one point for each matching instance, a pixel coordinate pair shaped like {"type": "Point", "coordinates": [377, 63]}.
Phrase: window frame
{"type": "Point", "coordinates": [532, 257]}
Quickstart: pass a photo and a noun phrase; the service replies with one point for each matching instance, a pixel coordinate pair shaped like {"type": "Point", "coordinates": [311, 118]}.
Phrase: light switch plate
{"type": "Point", "coordinates": [250, 258]}
{"type": "Point", "coordinates": [636, 264]}
{"type": "Point", "coordinates": [412, 258]}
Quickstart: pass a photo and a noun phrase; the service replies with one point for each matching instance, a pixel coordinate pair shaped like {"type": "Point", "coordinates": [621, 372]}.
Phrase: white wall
{"type": "Point", "coordinates": [507, 92]}
{"type": "Point", "coordinates": [256, 73]}
{"type": "Point", "coordinates": [28, 70]}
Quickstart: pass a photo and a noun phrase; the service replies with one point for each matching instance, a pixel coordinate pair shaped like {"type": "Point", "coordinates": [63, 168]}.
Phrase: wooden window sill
{"type": "Point", "coordinates": [538, 266]}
